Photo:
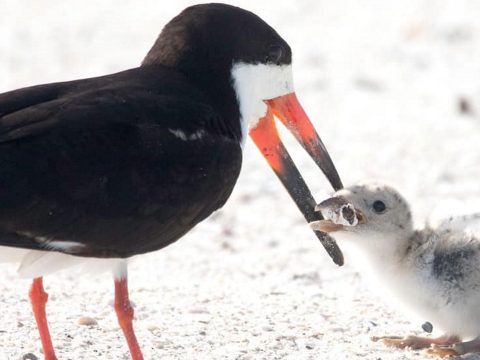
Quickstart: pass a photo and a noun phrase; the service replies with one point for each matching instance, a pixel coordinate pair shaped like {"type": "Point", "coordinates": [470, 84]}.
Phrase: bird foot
{"type": "Point", "coordinates": [415, 342]}
{"type": "Point", "coordinates": [456, 349]}
{"type": "Point", "coordinates": [442, 351]}
{"type": "Point", "coordinates": [402, 342]}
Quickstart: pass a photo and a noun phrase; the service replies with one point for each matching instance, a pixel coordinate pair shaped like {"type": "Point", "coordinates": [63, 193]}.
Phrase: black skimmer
{"type": "Point", "coordinates": [119, 165]}
{"type": "Point", "coordinates": [434, 272]}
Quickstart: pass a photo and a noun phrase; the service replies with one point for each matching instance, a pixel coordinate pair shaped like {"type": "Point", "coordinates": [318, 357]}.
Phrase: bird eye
{"type": "Point", "coordinates": [379, 207]}
{"type": "Point", "coordinates": [275, 53]}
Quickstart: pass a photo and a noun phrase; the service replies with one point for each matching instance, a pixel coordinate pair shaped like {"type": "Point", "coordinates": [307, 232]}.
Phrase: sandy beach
{"type": "Point", "coordinates": [393, 88]}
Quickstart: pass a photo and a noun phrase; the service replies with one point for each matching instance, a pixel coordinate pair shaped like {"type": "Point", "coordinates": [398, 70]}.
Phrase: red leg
{"type": "Point", "coordinates": [38, 299]}
{"type": "Point", "coordinates": [124, 312]}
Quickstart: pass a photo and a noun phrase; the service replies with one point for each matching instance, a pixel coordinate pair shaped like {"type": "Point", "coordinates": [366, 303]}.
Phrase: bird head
{"type": "Point", "coordinates": [246, 67]}
{"type": "Point", "coordinates": [369, 215]}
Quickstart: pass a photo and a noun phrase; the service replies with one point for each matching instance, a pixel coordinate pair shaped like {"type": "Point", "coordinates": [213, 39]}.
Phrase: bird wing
{"type": "Point", "coordinates": [456, 255]}
{"type": "Point", "coordinates": [89, 167]}
{"type": "Point", "coordinates": [451, 252]}
{"type": "Point", "coordinates": [132, 97]}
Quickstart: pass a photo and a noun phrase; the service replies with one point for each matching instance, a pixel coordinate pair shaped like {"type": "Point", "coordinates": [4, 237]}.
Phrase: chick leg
{"type": "Point", "coordinates": [416, 342]}
{"type": "Point", "coordinates": [459, 348]}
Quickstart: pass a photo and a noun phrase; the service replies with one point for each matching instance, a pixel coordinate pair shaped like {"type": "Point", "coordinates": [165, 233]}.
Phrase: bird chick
{"type": "Point", "coordinates": [434, 272]}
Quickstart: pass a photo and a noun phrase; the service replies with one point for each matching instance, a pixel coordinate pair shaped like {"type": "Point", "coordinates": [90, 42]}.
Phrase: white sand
{"type": "Point", "coordinates": [380, 79]}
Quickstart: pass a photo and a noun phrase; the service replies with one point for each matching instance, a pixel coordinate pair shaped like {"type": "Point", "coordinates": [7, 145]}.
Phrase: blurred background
{"type": "Point", "coordinates": [393, 88]}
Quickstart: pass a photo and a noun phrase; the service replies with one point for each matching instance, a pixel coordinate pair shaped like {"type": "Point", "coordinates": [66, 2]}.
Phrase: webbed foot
{"type": "Point", "coordinates": [458, 348]}
{"type": "Point", "coordinates": [415, 342]}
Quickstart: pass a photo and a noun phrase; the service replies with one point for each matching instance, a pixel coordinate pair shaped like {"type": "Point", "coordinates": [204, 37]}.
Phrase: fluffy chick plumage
{"type": "Point", "coordinates": [433, 272]}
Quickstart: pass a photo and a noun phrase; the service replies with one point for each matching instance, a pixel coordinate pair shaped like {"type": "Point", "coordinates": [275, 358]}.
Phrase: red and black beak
{"type": "Point", "coordinates": [265, 135]}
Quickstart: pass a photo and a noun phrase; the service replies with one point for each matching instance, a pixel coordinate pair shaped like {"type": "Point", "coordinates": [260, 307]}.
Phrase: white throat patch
{"type": "Point", "coordinates": [254, 83]}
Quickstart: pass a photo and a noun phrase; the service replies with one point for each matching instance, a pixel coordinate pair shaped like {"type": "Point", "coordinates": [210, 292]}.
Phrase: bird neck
{"type": "Point", "coordinates": [382, 268]}
{"type": "Point", "coordinates": [376, 254]}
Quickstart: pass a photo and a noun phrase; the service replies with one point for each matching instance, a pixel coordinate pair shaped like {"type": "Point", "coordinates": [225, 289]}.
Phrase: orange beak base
{"type": "Point", "coordinates": [265, 136]}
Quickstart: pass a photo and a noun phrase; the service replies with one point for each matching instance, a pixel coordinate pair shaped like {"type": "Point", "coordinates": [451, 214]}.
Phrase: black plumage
{"type": "Point", "coordinates": [116, 163]}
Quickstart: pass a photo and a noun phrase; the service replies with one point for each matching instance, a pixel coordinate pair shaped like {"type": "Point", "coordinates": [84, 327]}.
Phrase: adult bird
{"type": "Point", "coordinates": [124, 164]}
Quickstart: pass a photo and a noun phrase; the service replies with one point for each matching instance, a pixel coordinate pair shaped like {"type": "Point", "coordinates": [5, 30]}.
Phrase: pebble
{"type": "Point", "coordinates": [199, 310]}
{"type": "Point", "coordinates": [87, 320]}
{"type": "Point", "coordinates": [464, 106]}
{"type": "Point", "coordinates": [30, 356]}
{"type": "Point", "coordinates": [427, 327]}
{"type": "Point", "coordinates": [152, 327]}
{"type": "Point", "coordinates": [371, 324]}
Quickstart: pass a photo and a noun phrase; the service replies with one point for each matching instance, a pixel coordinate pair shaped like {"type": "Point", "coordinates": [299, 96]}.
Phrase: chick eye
{"type": "Point", "coordinates": [379, 207]}
{"type": "Point", "coordinates": [275, 53]}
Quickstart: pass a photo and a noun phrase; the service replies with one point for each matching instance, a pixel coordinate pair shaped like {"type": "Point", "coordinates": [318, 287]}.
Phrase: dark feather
{"type": "Point", "coordinates": [97, 161]}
